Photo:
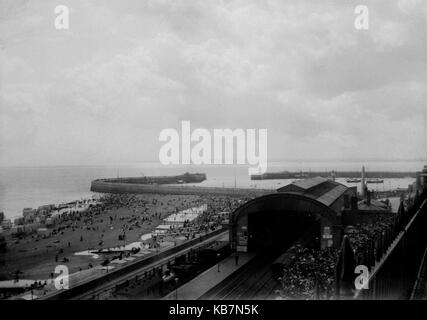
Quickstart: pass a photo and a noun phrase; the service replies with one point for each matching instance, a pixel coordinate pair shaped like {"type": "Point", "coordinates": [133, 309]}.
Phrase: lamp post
{"type": "Point", "coordinates": [218, 255]}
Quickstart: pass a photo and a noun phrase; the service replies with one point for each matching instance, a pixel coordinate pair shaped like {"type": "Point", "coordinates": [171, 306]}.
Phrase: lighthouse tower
{"type": "Point", "coordinates": [363, 185]}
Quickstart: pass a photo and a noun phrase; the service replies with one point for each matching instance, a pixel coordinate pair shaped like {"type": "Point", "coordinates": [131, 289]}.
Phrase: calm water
{"type": "Point", "coordinates": [22, 187]}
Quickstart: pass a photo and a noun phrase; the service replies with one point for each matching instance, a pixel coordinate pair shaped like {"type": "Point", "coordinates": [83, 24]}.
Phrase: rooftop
{"type": "Point", "coordinates": [318, 188]}
{"type": "Point", "coordinates": [309, 183]}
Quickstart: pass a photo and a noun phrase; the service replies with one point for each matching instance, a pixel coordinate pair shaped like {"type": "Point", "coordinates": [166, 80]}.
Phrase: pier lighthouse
{"type": "Point", "coordinates": [363, 185]}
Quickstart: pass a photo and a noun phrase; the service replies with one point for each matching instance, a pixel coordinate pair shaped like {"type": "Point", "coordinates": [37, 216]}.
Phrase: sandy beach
{"type": "Point", "coordinates": [97, 228]}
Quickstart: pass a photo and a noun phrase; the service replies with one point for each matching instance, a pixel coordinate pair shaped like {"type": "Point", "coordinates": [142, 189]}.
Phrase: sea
{"type": "Point", "coordinates": [30, 187]}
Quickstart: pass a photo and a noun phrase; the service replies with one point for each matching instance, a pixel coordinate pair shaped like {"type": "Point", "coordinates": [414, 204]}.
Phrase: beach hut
{"type": "Point", "coordinates": [17, 229]}
{"type": "Point", "coordinates": [45, 209]}
{"type": "Point", "coordinates": [28, 218]}
{"type": "Point", "coordinates": [49, 222]}
{"type": "Point", "coordinates": [19, 221]}
{"type": "Point", "coordinates": [31, 227]}
{"type": "Point", "coordinates": [44, 232]}
{"type": "Point", "coordinates": [6, 224]}
{"type": "Point", "coordinates": [27, 211]}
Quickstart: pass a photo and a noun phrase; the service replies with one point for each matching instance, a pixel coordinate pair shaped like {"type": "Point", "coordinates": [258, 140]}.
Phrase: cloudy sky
{"type": "Point", "coordinates": [102, 91]}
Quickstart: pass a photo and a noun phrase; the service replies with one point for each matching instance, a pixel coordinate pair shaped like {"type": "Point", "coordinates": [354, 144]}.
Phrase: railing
{"type": "Point", "coordinates": [393, 258]}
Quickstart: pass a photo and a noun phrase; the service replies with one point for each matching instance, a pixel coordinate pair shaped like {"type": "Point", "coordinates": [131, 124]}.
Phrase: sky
{"type": "Point", "coordinates": [103, 90]}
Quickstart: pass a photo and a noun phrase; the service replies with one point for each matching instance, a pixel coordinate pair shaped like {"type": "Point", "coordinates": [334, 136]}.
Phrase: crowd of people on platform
{"type": "Point", "coordinates": [310, 274]}
{"type": "Point", "coordinates": [362, 236]}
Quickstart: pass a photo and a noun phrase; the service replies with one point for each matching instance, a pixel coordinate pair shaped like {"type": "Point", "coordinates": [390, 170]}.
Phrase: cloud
{"type": "Point", "coordinates": [103, 90]}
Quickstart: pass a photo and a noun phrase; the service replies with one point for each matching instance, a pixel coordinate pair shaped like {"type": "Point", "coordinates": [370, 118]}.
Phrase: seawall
{"type": "Point", "coordinates": [112, 186]}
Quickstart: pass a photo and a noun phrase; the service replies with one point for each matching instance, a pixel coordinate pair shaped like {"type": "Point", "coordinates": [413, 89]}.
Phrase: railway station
{"type": "Point", "coordinates": [276, 220]}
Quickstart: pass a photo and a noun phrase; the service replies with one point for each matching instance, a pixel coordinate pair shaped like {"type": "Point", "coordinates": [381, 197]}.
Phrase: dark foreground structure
{"type": "Point", "coordinates": [395, 257]}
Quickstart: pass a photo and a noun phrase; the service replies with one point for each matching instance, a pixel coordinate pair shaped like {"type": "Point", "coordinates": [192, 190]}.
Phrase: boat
{"type": "Point", "coordinates": [274, 175]}
{"type": "Point", "coordinates": [374, 180]}
{"type": "Point", "coordinates": [353, 180]}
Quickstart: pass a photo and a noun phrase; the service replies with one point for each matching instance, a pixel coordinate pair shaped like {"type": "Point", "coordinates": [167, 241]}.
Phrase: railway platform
{"type": "Point", "coordinates": [198, 286]}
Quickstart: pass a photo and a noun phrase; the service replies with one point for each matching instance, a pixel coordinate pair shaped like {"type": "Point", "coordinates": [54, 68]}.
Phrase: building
{"type": "Point", "coordinates": [276, 220]}
{"type": "Point", "coordinates": [366, 211]}
{"type": "Point", "coordinates": [421, 180]}
{"type": "Point", "coordinates": [28, 212]}
{"type": "Point", "coordinates": [46, 209]}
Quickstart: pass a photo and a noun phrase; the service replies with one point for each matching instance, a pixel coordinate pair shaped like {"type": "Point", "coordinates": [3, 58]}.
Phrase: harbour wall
{"type": "Point", "coordinates": [338, 174]}
{"type": "Point", "coordinates": [112, 186]}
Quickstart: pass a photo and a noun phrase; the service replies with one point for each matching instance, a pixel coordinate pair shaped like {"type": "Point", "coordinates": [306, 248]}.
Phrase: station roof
{"type": "Point", "coordinates": [318, 188]}
{"type": "Point", "coordinates": [333, 194]}
{"type": "Point", "coordinates": [309, 183]}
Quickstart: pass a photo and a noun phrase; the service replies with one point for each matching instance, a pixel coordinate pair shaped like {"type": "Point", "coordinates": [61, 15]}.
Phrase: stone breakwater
{"type": "Point", "coordinates": [117, 186]}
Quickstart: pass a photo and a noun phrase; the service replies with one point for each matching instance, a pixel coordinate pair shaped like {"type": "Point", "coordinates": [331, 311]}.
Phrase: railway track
{"type": "Point", "coordinates": [253, 281]}
{"type": "Point", "coordinates": [96, 287]}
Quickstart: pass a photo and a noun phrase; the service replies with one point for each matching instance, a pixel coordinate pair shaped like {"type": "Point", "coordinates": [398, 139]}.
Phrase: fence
{"type": "Point", "coordinates": [393, 257]}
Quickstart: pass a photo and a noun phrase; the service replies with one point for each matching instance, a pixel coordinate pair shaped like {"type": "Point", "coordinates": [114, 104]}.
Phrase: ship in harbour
{"type": "Point", "coordinates": [280, 175]}
{"type": "Point", "coordinates": [369, 180]}
{"type": "Point", "coordinates": [374, 180]}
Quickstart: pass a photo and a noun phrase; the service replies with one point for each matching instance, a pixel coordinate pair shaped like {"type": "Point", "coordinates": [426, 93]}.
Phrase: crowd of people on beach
{"type": "Point", "coordinates": [217, 212]}
{"type": "Point", "coordinates": [130, 216]}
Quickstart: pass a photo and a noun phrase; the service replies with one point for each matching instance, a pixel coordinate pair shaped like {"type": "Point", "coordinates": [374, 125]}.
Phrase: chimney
{"type": "Point", "coordinates": [353, 203]}
{"type": "Point", "coordinates": [368, 198]}
{"type": "Point", "coordinates": [346, 201]}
